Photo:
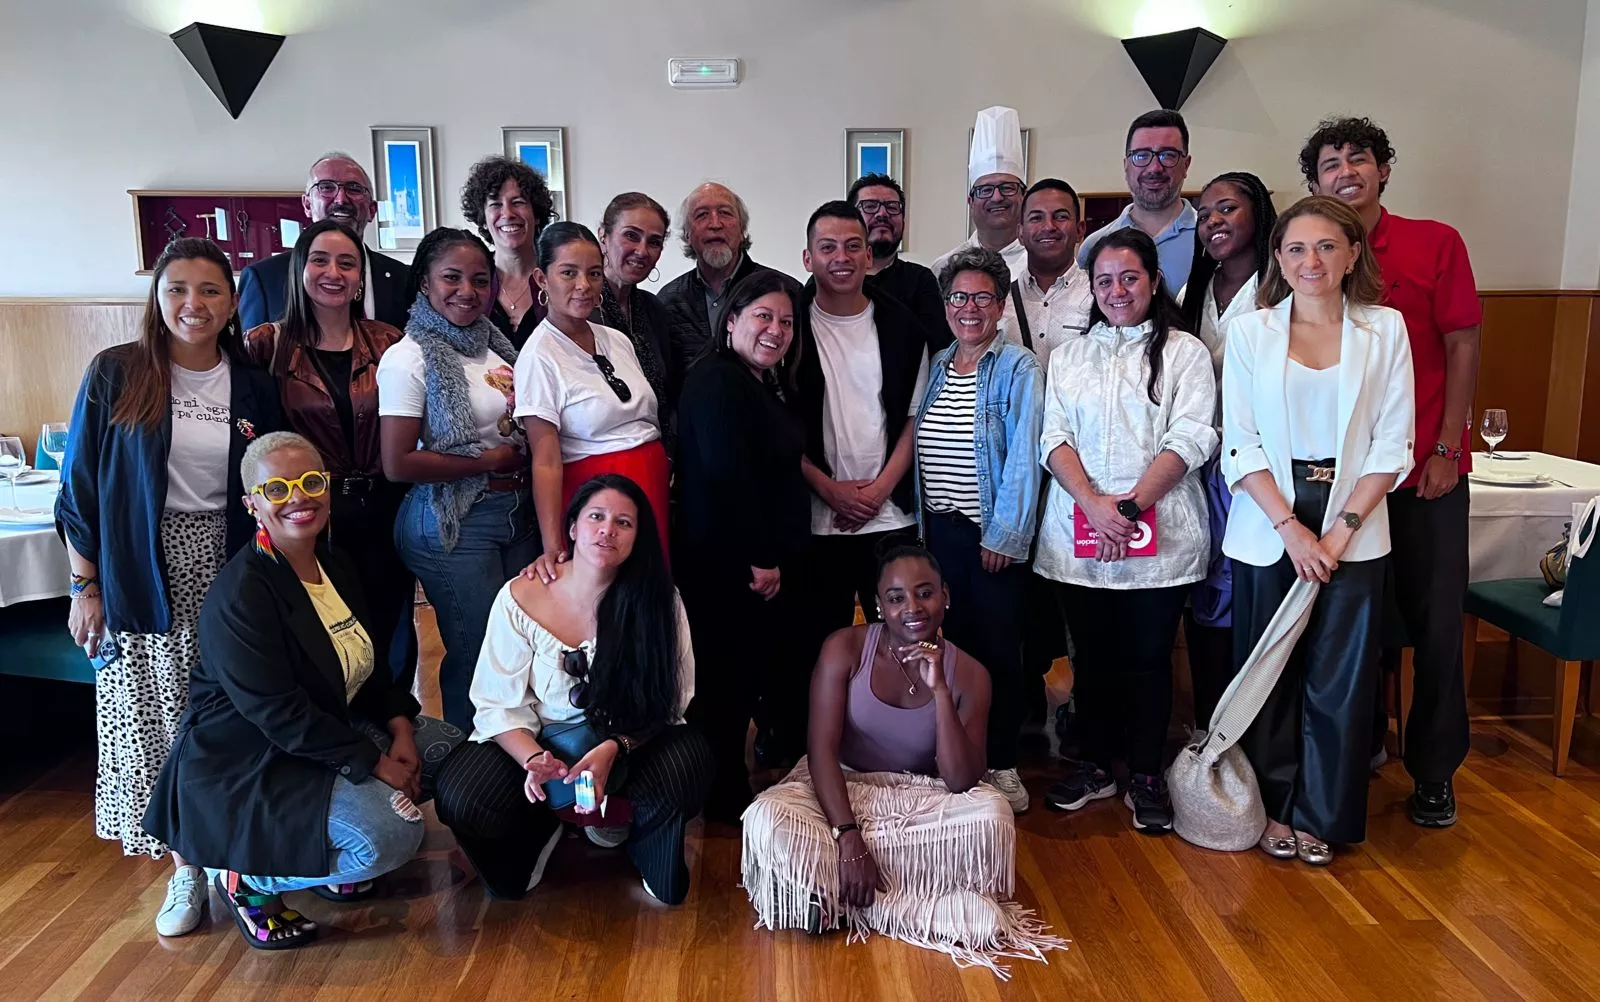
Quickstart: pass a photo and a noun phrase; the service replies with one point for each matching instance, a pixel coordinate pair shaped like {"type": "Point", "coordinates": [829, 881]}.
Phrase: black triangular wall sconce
{"type": "Point", "coordinates": [1173, 63]}
{"type": "Point", "coordinates": [230, 60]}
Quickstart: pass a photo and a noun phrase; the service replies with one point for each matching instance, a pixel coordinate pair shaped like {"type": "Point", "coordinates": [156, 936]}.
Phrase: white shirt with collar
{"type": "Point", "coordinates": [1054, 314]}
{"type": "Point", "coordinates": [1375, 420]}
{"type": "Point", "coordinates": [1015, 254]}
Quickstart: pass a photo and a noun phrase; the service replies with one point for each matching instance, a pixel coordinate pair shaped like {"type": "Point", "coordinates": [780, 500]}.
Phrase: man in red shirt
{"type": "Point", "coordinates": [1427, 277]}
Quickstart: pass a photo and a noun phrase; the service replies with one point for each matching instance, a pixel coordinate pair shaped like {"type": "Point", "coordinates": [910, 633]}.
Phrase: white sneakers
{"type": "Point", "coordinates": [607, 838]}
{"type": "Point", "coordinates": [187, 894]}
{"type": "Point", "coordinates": [1009, 783]}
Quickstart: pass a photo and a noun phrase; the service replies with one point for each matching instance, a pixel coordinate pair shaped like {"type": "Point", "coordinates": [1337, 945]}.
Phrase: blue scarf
{"type": "Point", "coordinates": [448, 425]}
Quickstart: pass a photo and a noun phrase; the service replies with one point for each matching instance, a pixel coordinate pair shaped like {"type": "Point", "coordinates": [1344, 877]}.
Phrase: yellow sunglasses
{"type": "Point", "coordinates": [313, 484]}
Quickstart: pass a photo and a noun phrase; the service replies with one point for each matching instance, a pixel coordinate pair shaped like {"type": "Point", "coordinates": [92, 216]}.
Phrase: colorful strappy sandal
{"type": "Point", "coordinates": [262, 919]}
{"type": "Point", "coordinates": [346, 892]}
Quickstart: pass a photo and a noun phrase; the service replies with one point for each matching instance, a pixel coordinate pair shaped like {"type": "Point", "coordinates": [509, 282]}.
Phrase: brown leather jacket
{"type": "Point", "coordinates": [307, 406]}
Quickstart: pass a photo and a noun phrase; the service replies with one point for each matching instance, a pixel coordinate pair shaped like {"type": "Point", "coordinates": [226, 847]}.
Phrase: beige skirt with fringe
{"type": "Point", "coordinates": [949, 860]}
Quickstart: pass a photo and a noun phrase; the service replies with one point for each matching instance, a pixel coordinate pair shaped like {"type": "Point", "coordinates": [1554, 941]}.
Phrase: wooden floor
{"type": "Point", "coordinates": [1504, 905]}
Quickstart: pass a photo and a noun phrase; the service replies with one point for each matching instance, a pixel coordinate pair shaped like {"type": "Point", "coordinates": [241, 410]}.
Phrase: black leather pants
{"type": "Point", "coordinates": [1311, 743]}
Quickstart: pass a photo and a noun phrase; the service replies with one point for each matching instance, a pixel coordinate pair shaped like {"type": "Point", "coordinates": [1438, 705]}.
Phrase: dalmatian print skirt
{"type": "Point", "coordinates": [142, 693]}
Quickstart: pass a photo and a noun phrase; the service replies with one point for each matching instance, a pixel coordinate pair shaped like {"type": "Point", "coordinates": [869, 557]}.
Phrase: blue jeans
{"type": "Point", "coordinates": [498, 539]}
{"type": "Point", "coordinates": [366, 838]}
{"type": "Point", "coordinates": [569, 742]}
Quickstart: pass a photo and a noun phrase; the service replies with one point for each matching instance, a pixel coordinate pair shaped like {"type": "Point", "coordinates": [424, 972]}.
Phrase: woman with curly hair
{"type": "Point", "coordinates": [510, 204]}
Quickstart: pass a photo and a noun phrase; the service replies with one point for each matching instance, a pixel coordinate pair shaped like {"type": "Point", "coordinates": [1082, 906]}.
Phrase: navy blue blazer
{"type": "Point", "coordinates": [264, 285]}
{"type": "Point", "coordinates": [114, 485]}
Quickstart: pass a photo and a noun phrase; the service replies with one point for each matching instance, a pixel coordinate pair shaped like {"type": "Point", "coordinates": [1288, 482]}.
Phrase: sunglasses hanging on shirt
{"type": "Point", "coordinates": [609, 373]}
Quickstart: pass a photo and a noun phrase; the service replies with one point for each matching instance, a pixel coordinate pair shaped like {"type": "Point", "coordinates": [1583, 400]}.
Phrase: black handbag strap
{"type": "Point", "coordinates": [1022, 316]}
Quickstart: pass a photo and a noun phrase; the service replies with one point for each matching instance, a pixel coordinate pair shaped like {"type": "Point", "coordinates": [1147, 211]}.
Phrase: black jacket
{"type": "Point", "coordinates": [918, 291]}
{"type": "Point", "coordinates": [688, 325]}
{"type": "Point", "coordinates": [742, 501]}
{"type": "Point", "coordinates": [246, 785]}
{"type": "Point", "coordinates": [263, 286]}
{"type": "Point", "coordinates": [114, 485]}
{"type": "Point", "coordinates": [902, 346]}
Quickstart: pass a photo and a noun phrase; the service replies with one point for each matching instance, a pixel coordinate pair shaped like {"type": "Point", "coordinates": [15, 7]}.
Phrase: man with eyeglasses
{"type": "Point", "coordinates": [1427, 276]}
{"type": "Point", "coordinates": [882, 204]}
{"type": "Point", "coordinates": [337, 188]}
{"type": "Point", "coordinates": [1155, 161]}
{"type": "Point", "coordinates": [996, 167]}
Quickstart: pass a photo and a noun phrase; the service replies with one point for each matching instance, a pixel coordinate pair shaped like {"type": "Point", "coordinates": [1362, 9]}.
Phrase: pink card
{"type": "Point", "coordinates": [1085, 540]}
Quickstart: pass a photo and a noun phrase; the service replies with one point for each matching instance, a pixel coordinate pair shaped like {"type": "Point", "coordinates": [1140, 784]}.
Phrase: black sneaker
{"type": "Point", "coordinates": [1151, 806]}
{"type": "Point", "coordinates": [1085, 782]}
{"type": "Point", "coordinates": [1433, 805]}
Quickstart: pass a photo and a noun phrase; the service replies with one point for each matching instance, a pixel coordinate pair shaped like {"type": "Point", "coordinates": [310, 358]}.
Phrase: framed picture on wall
{"type": "Point", "coordinates": [874, 151]}
{"type": "Point", "coordinates": [545, 150]}
{"type": "Point", "coordinates": [403, 173]}
{"type": "Point", "coordinates": [1027, 164]}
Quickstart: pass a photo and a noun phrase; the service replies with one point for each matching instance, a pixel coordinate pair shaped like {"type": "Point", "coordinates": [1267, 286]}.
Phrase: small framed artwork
{"type": "Point", "coordinates": [874, 151]}
{"type": "Point", "coordinates": [1027, 164]}
{"type": "Point", "coordinates": [545, 150]}
{"type": "Point", "coordinates": [404, 176]}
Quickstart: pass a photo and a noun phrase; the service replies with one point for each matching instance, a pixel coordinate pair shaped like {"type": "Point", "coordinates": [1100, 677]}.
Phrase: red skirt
{"type": "Point", "coordinates": [645, 465]}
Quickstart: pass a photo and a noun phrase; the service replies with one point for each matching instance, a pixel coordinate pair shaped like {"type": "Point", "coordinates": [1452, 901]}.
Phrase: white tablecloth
{"type": "Point", "coordinates": [1512, 527]}
{"type": "Point", "coordinates": [33, 563]}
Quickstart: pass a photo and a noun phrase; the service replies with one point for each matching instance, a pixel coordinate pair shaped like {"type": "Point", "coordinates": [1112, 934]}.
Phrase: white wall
{"type": "Point", "coordinates": [1480, 97]}
{"type": "Point", "coordinates": [1581, 263]}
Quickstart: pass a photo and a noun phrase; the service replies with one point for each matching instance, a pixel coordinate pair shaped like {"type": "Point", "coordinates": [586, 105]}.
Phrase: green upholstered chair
{"type": "Point", "coordinates": [34, 641]}
{"type": "Point", "coordinates": [1571, 633]}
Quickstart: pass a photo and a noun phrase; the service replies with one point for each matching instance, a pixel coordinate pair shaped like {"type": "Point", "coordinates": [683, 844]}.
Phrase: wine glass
{"type": "Point", "coordinates": [1494, 428]}
{"type": "Point", "coordinates": [53, 441]}
{"type": "Point", "coordinates": [11, 463]}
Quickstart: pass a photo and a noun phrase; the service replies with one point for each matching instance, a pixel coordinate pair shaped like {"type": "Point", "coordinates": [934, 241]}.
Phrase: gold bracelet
{"type": "Point", "coordinates": [856, 859]}
{"type": "Point", "coordinates": [1284, 522]}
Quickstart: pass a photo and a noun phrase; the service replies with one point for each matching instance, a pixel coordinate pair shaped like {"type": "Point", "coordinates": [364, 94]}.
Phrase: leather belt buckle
{"type": "Point", "coordinates": [1320, 474]}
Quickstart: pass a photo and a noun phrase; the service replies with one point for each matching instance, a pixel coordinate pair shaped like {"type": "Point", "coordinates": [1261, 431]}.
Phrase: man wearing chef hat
{"type": "Point", "coordinates": [996, 179]}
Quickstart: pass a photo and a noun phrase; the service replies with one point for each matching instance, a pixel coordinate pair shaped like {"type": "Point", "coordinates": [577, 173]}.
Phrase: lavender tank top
{"type": "Point", "coordinates": [878, 737]}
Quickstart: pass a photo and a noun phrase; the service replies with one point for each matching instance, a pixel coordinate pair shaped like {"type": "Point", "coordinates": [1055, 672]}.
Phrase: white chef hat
{"type": "Point", "coordinates": [996, 145]}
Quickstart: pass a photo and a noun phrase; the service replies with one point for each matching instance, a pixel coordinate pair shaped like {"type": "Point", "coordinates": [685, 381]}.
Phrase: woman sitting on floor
{"type": "Point", "coordinates": [589, 672]}
{"type": "Point", "coordinates": [907, 842]}
{"type": "Point", "coordinates": [295, 762]}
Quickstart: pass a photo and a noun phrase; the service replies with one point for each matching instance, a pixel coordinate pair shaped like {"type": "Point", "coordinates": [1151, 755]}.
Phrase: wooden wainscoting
{"type": "Point", "coordinates": [1541, 362]}
{"type": "Point", "coordinates": [45, 344]}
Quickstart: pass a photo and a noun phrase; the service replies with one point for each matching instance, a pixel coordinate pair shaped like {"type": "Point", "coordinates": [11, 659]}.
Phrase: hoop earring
{"type": "Point", "coordinates": [655, 275]}
{"type": "Point", "coordinates": [544, 298]}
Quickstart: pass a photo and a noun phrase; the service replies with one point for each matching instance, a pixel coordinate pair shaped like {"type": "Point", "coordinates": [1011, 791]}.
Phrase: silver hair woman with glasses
{"type": "Point", "coordinates": [977, 480]}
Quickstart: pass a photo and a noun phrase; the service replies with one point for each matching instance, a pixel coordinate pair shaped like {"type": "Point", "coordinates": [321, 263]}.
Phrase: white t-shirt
{"type": "Point", "coordinates": [197, 462]}
{"type": "Point", "coordinates": [855, 433]}
{"type": "Point", "coordinates": [402, 392]}
{"type": "Point", "coordinates": [558, 382]}
{"type": "Point", "coordinates": [1313, 396]}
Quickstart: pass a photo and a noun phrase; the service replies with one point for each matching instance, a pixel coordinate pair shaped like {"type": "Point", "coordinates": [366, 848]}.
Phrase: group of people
{"type": "Point", "coordinates": [646, 522]}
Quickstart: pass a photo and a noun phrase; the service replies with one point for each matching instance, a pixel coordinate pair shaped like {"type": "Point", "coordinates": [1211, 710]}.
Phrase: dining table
{"type": "Point", "coordinates": [33, 560]}
{"type": "Point", "coordinates": [1521, 503]}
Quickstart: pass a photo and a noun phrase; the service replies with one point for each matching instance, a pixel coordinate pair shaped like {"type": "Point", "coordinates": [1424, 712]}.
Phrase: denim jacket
{"type": "Point", "coordinates": [1008, 419]}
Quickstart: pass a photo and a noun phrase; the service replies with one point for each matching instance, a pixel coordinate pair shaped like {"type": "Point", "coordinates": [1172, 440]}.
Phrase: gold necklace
{"type": "Point", "coordinates": [911, 683]}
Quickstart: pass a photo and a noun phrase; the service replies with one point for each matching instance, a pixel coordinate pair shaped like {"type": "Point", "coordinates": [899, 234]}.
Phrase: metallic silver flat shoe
{"type": "Point", "coordinates": [1315, 852]}
{"type": "Point", "coordinates": [1279, 848]}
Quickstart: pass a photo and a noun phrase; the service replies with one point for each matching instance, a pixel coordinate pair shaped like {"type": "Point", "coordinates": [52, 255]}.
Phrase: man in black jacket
{"type": "Point", "coordinates": [337, 188]}
{"type": "Point", "coordinates": [882, 204]}
{"type": "Point", "coordinates": [716, 236]}
{"type": "Point", "coordinates": [863, 367]}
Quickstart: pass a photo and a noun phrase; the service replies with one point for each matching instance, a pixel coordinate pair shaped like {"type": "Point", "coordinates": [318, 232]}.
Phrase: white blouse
{"type": "Point", "coordinates": [1213, 331]}
{"type": "Point", "coordinates": [559, 382]}
{"type": "Point", "coordinates": [1313, 398]}
{"type": "Point", "coordinates": [520, 681]}
{"type": "Point", "coordinates": [1096, 401]}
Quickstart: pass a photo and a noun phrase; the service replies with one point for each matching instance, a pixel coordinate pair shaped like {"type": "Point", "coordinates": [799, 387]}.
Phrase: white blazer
{"type": "Point", "coordinates": [1377, 420]}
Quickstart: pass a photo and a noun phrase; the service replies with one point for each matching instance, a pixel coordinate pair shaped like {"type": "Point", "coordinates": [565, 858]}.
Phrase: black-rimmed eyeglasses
{"type": "Point", "coordinates": [1008, 189]}
{"type": "Point", "coordinates": [352, 189]}
{"type": "Point", "coordinates": [1169, 157]}
{"type": "Point", "coordinates": [871, 207]}
{"type": "Point", "coordinates": [982, 300]}
{"type": "Point", "coordinates": [608, 372]}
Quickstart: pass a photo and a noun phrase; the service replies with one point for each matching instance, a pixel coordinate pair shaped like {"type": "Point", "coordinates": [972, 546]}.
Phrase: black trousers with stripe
{"type": "Point", "coordinates": [480, 797]}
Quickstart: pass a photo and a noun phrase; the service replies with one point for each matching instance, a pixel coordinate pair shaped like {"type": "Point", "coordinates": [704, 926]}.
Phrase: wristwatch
{"type": "Point", "coordinates": [848, 826]}
{"type": "Point", "coordinates": [1129, 509]}
{"type": "Point", "coordinates": [1452, 454]}
{"type": "Point", "coordinates": [1351, 520]}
